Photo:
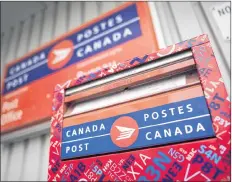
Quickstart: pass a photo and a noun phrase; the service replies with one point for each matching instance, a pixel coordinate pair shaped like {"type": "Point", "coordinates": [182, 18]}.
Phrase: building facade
{"type": "Point", "coordinates": [173, 22]}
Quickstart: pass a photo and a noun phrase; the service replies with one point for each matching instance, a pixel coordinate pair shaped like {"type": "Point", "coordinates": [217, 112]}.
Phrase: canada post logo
{"type": "Point", "coordinates": [124, 131]}
{"type": "Point", "coordinates": [60, 54]}
{"type": "Point", "coordinates": [169, 123]}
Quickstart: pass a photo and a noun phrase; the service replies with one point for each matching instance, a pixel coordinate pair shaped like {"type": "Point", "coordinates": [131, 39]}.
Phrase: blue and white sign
{"type": "Point", "coordinates": [175, 122]}
{"type": "Point", "coordinates": [106, 33]}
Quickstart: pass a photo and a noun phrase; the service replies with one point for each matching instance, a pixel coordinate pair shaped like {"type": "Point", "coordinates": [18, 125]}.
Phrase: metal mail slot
{"type": "Point", "coordinates": [127, 73]}
{"type": "Point", "coordinates": [154, 104]}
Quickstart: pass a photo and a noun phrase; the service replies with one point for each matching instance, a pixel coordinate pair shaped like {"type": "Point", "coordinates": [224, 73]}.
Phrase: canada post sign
{"type": "Point", "coordinates": [121, 27]}
{"type": "Point", "coordinates": [91, 47]}
{"type": "Point", "coordinates": [175, 122]}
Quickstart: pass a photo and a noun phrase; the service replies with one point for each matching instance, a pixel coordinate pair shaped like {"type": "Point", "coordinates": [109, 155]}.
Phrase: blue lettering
{"type": "Point", "coordinates": [215, 158]}
{"type": "Point", "coordinates": [153, 172]}
{"type": "Point", "coordinates": [139, 60]}
{"type": "Point", "coordinates": [202, 149]}
{"type": "Point", "coordinates": [218, 171]}
{"type": "Point", "coordinates": [158, 161]}
{"type": "Point", "coordinates": [150, 169]}
{"type": "Point", "coordinates": [209, 153]}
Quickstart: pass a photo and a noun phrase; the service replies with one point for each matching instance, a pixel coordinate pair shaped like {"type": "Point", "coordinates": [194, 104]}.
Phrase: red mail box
{"type": "Point", "coordinates": [159, 117]}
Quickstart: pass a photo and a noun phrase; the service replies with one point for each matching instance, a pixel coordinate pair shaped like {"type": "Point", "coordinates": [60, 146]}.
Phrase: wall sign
{"type": "Point", "coordinates": [207, 159]}
{"type": "Point", "coordinates": [29, 81]}
{"type": "Point", "coordinates": [221, 14]}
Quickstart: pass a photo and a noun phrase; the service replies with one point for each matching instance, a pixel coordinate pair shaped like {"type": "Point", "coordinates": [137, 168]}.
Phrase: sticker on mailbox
{"type": "Point", "coordinates": [175, 122]}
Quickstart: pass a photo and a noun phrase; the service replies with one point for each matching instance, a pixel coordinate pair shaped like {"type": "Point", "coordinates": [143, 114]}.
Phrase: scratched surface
{"type": "Point", "coordinates": [200, 160]}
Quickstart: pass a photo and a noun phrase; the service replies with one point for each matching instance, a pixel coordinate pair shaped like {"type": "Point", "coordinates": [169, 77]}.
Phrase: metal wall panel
{"type": "Point", "coordinates": [5, 153]}
{"type": "Point", "coordinates": [13, 44]}
{"type": "Point", "coordinates": [5, 39]}
{"type": "Point", "coordinates": [16, 161]}
{"type": "Point", "coordinates": [185, 20]}
{"type": "Point", "coordinates": [2, 43]}
{"type": "Point", "coordinates": [75, 14]}
{"type": "Point", "coordinates": [37, 21]}
{"type": "Point", "coordinates": [48, 24]}
{"type": "Point", "coordinates": [157, 24]}
{"type": "Point", "coordinates": [174, 21]}
{"type": "Point", "coordinates": [168, 26]}
{"type": "Point", "coordinates": [3, 50]}
{"type": "Point", "coordinates": [91, 10]}
{"type": "Point", "coordinates": [61, 18]}
{"type": "Point", "coordinates": [32, 160]}
{"type": "Point", "coordinates": [44, 157]}
{"type": "Point", "coordinates": [8, 152]}
{"type": "Point", "coordinates": [106, 6]}
{"type": "Point", "coordinates": [24, 38]}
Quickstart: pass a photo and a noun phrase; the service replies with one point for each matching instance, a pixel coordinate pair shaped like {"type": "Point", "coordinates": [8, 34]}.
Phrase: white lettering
{"type": "Point", "coordinates": [167, 132]}
{"type": "Point", "coordinates": [157, 134]}
{"type": "Point", "coordinates": [188, 129]}
{"type": "Point", "coordinates": [148, 133]}
{"type": "Point", "coordinates": [100, 43]}
{"type": "Point", "coordinates": [200, 127]}
{"type": "Point", "coordinates": [146, 116]}
{"type": "Point", "coordinates": [178, 131]}
{"type": "Point", "coordinates": [83, 130]}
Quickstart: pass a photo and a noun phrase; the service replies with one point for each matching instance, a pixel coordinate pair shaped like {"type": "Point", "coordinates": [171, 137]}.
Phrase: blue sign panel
{"type": "Point", "coordinates": [109, 32]}
{"type": "Point", "coordinates": [175, 122]}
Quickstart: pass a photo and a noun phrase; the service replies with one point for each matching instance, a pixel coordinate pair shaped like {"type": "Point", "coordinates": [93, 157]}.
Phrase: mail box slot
{"type": "Point", "coordinates": [161, 108]}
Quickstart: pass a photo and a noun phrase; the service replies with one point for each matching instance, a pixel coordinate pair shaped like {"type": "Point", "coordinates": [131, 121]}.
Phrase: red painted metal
{"type": "Point", "coordinates": [200, 160]}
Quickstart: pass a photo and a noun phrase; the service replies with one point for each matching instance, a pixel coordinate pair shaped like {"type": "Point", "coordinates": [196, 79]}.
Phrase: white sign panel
{"type": "Point", "coordinates": [221, 14]}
